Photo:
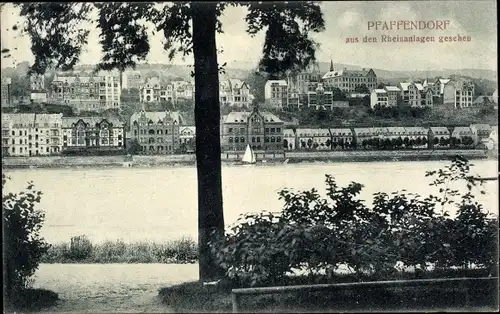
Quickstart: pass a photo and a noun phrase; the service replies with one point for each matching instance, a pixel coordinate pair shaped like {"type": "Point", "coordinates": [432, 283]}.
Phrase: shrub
{"type": "Point", "coordinates": [23, 246]}
{"type": "Point", "coordinates": [320, 234]}
{"type": "Point", "coordinates": [80, 248]}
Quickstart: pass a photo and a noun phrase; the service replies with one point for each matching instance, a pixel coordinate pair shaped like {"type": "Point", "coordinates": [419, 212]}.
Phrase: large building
{"type": "Point", "coordinates": [87, 93]}
{"type": "Point", "coordinates": [458, 94]}
{"type": "Point", "coordinates": [415, 94]}
{"type": "Point", "coordinates": [29, 134]}
{"type": "Point", "coordinates": [276, 93]}
{"type": "Point", "coordinates": [320, 98]}
{"type": "Point", "coordinates": [234, 92]}
{"type": "Point", "coordinates": [349, 81]}
{"type": "Point", "coordinates": [260, 130]}
{"type": "Point", "coordinates": [156, 132]}
{"type": "Point", "coordinates": [37, 83]}
{"type": "Point", "coordinates": [378, 97]}
{"type": "Point", "coordinates": [92, 134]}
{"type": "Point", "coordinates": [480, 133]}
{"type": "Point", "coordinates": [6, 91]}
{"type": "Point", "coordinates": [438, 87]}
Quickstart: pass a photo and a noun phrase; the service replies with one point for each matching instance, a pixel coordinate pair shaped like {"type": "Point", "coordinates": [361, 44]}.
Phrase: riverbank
{"type": "Point", "coordinates": [288, 157]}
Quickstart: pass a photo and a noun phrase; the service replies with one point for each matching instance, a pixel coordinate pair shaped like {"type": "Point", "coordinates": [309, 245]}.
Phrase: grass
{"type": "Point", "coordinates": [31, 300]}
{"type": "Point", "coordinates": [195, 297]}
{"type": "Point", "coordinates": [81, 250]}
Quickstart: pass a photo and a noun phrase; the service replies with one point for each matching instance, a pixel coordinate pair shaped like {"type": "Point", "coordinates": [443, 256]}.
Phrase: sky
{"type": "Point", "coordinates": [476, 19]}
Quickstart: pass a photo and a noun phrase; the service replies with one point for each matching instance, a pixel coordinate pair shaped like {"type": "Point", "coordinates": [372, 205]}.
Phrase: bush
{"type": "Point", "coordinates": [23, 246]}
{"type": "Point", "coordinates": [81, 250]}
{"type": "Point", "coordinates": [400, 231]}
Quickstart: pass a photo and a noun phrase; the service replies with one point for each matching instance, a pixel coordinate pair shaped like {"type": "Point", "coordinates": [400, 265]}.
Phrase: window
{"type": "Point", "coordinates": [229, 130]}
{"type": "Point", "coordinates": [278, 139]}
{"type": "Point", "coordinates": [151, 131]}
{"type": "Point", "coordinates": [267, 130]}
{"type": "Point", "coordinates": [272, 139]}
{"type": "Point", "coordinates": [278, 130]}
{"type": "Point", "coordinates": [236, 139]}
{"type": "Point", "coordinates": [272, 130]}
{"type": "Point", "coordinates": [253, 139]}
{"type": "Point", "coordinates": [258, 139]}
{"type": "Point", "coordinates": [230, 140]}
{"type": "Point", "coordinates": [242, 140]}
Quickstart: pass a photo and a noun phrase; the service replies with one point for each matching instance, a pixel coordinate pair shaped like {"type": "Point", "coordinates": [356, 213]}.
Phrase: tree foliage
{"type": "Point", "coordinates": [401, 230]}
{"type": "Point", "coordinates": [23, 246]}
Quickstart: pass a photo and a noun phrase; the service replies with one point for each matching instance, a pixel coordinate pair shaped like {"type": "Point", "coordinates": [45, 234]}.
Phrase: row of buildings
{"type": "Point", "coordinates": [29, 134]}
{"type": "Point", "coordinates": [311, 88]}
{"type": "Point", "coordinates": [166, 133]}
{"type": "Point", "coordinates": [452, 93]}
{"type": "Point", "coordinates": [232, 92]}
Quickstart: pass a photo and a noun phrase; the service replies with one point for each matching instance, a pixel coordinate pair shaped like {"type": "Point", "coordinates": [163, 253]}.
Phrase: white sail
{"type": "Point", "coordinates": [249, 156]}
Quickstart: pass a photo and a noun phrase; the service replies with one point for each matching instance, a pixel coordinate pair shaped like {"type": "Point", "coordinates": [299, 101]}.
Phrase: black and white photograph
{"type": "Point", "coordinates": [250, 156]}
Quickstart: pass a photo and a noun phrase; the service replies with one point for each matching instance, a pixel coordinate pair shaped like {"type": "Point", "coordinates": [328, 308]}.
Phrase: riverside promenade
{"type": "Point", "coordinates": [231, 158]}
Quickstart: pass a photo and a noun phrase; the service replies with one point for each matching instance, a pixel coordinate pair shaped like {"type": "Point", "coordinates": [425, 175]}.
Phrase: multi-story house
{"type": "Point", "coordinates": [260, 130]}
{"type": "Point", "coordinates": [151, 90]}
{"type": "Point", "coordinates": [29, 134]}
{"type": "Point", "coordinates": [38, 93]}
{"type": "Point", "coordinates": [348, 80]}
{"type": "Point", "coordinates": [439, 136]}
{"type": "Point", "coordinates": [438, 87]}
{"type": "Point", "coordinates": [48, 134]}
{"type": "Point", "coordinates": [37, 83]}
{"type": "Point", "coordinates": [276, 93]}
{"type": "Point", "coordinates": [417, 133]}
{"type": "Point", "coordinates": [458, 94]}
{"type": "Point", "coordinates": [87, 93]}
{"type": "Point", "coordinates": [341, 136]}
{"type": "Point", "coordinates": [320, 98]}
{"type": "Point", "coordinates": [318, 139]}
{"type": "Point", "coordinates": [379, 97]}
{"type": "Point", "coordinates": [480, 133]}
{"type": "Point", "coordinates": [156, 132]}
{"type": "Point", "coordinates": [20, 126]}
{"type": "Point", "coordinates": [363, 134]}
{"type": "Point", "coordinates": [289, 139]}
{"type": "Point", "coordinates": [426, 95]}
{"type": "Point", "coordinates": [411, 93]}
{"type": "Point", "coordinates": [393, 93]}
{"type": "Point", "coordinates": [395, 132]}
{"type": "Point", "coordinates": [6, 92]}
{"type": "Point", "coordinates": [462, 132]}
{"type": "Point", "coordinates": [187, 138]}
{"type": "Point", "coordinates": [182, 91]}
{"type": "Point", "coordinates": [92, 134]}
{"type": "Point", "coordinates": [305, 81]}
{"type": "Point", "coordinates": [234, 92]}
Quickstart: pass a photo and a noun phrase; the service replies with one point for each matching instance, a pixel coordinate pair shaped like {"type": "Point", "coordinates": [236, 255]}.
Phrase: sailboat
{"type": "Point", "coordinates": [248, 157]}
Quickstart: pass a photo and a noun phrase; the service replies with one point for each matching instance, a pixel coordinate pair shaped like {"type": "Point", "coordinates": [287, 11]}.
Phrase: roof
{"type": "Point", "coordinates": [156, 116]}
{"type": "Point", "coordinates": [288, 132]}
{"type": "Point", "coordinates": [392, 89]}
{"type": "Point", "coordinates": [278, 82]}
{"type": "Point", "coordinates": [394, 129]}
{"type": "Point", "coordinates": [345, 72]}
{"type": "Point", "coordinates": [379, 91]}
{"type": "Point", "coordinates": [190, 129]}
{"type": "Point", "coordinates": [440, 129]}
{"type": "Point", "coordinates": [48, 118]}
{"type": "Point", "coordinates": [19, 118]}
{"type": "Point", "coordinates": [312, 132]}
{"type": "Point", "coordinates": [340, 130]}
{"type": "Point", "coordinates": [67, 122]}
{"type": "Point", "coordinates": [419, 86]}
{"type": "Point", "coordinates": [462, 129]}
{"type": "Point", "coordinates": [481, 126]}
{"type": "Point", "coordinates": [404, 86]}
{"type": "Point", "coordinates": [242, 117]}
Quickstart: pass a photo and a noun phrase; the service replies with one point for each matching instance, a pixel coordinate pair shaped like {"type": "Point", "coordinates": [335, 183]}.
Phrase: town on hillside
{"type": "Point", "coordinates": [138, 112]}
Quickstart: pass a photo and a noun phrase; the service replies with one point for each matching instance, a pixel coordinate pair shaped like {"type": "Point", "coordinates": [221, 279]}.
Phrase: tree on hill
{"type": "Point", "coordinates": [58, 37]}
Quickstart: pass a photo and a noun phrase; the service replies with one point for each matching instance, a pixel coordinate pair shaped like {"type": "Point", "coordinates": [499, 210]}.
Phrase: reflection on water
{"type": "Point", "coordinates": [141, 204]}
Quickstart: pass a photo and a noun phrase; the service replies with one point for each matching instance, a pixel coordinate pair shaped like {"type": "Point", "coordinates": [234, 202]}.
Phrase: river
{"type": "Point", "coordinates": [159, 204]}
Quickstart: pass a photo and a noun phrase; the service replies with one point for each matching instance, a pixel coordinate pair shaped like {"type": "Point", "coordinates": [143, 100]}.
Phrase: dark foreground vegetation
{"type": "Point", "coordinates": [196, 297]}
{"type": "Point", "coordinates": [402, 236]}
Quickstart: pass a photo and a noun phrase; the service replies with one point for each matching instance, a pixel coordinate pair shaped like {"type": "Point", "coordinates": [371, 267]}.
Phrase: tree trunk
{"type": "Point", "coordinates": [207, 121]}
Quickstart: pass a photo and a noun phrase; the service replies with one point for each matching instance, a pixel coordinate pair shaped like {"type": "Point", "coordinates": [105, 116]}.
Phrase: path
{"type": "Point", "coordinates": [99, 288]}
